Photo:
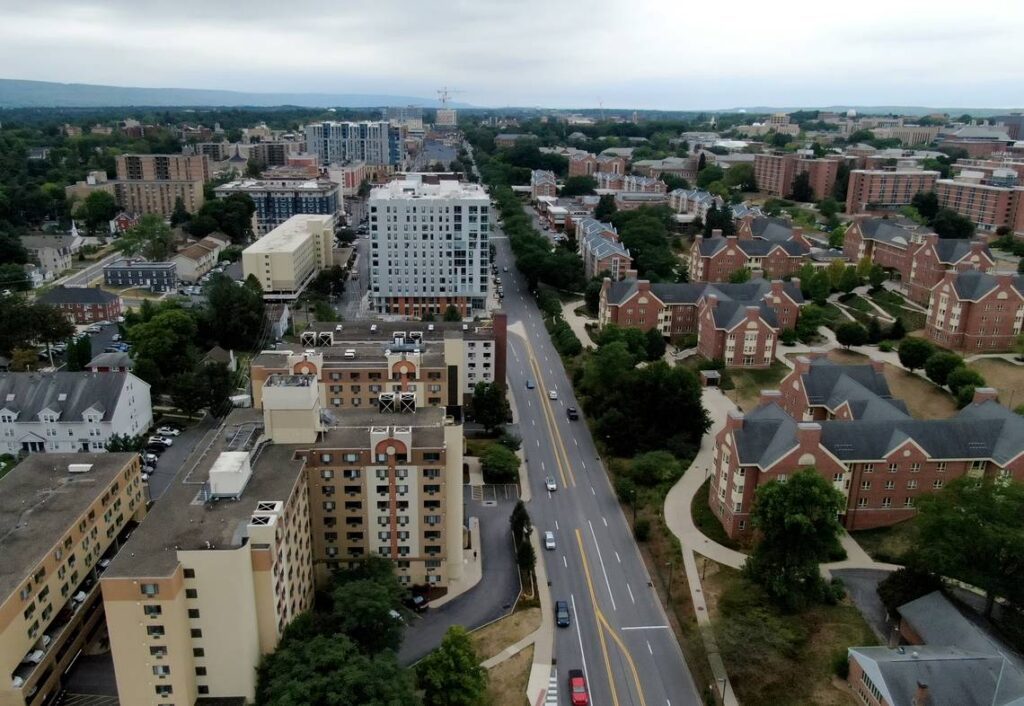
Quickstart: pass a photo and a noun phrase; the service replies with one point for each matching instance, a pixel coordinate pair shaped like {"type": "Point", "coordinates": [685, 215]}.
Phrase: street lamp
{"type": "Point", "coordinates": [669, 565]}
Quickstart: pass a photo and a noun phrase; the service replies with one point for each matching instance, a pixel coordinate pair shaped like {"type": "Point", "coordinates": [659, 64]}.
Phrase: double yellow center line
{"type": "Point", "coordinates": [561, 455]}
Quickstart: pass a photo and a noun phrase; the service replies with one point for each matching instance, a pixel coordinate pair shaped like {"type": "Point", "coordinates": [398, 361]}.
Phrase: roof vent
{"type": "Point", "coordinates": [62, 397]}
{"type": "Point", "coordinates": [79, 467]}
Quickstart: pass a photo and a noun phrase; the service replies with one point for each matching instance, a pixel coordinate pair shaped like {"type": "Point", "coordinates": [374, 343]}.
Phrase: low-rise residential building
{"type": "Point", "coordinates": [601, 249]}
{"type": "Point", "coordinates": [287, 258]}
{"type": "Point", "coordinates": [880, 459]}
{"type": "Point", "coordinates": [820, 389]}
{"type": "Point", "coordinates": [696, 202]}
{"type": "Point", "coordinates": [942, 659]}
{"type": "Point", "coordinates": [194, 261]}
{"type": "Point", "coordinates": [630, 201]}
{"type": "Point", "coordinates": [975, 311]}
{"type": "Point", "coordinates": [52, 253]}
{"type": "Point", "coordinates": [154, 276]}
{"type": "Point", "coordinates": [715, 259]}
{"type": "Point", "coordinates": [357, 362]}
{"type": "Point", "coordinates": [83, 305]}
{"type": "Point", "coordinates": [542, 183]}
{"type": "Point", "coordinates": [915, 256]}
{"type": "Point", "coordinates": [82, 508]}
{"type": "Point", "coordinates": [277, 200]}
{"type": "Point", "coordinates": [629, 182]}
{"type": "Point", "coordinates": [737, 323]}
{"type": "Point", "coordinates": [94, 181]}
{"type": "Point", "coordinates": [683, 167]}
{"type": "Point", "coordinates": [883, 190]}
{"type": "Point", "coordinates": [66, 412]}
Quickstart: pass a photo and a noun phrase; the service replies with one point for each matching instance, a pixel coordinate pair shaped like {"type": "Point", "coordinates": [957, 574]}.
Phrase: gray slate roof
{"type": "Point", "coordinates": [111, 360]}
{"type": "Point", "coordinates": [748, 293]}
{"type": "Point", "coordinates": [69, 394]}
{"type": "Point", "coordinates": [769, 228]}
{"type": "Point", "coordinates": [974, 284]}
{"type": "Point", "coordinates": [753, 248]}
{"type": "Point", "coordinates": [952, 250]}
{"type": "Point", "coordinates": [866, 390]}
{"type": "Point", "coordinates": [985, 431]}
{"type": "Point", "coordinates": [887, 231]}
{"type": "Point", "coordinates": [77, 295]}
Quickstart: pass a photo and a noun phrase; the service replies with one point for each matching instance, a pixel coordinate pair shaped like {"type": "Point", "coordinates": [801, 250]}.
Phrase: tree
{"type": "Point", "coordinates": [874, 330]}
{"type": "Point", "coordinates": [24, 360]}
{"type": "Point", "coordinates": [897, 331]}
{"type": "Point", "coordinates": [655, 467]}
{"type": "Point", "coordinates": [851, 333]}
{"type": "Point", "coordinates": [150, 237]}
{"type": "Point", "coordinates": [820, 287]}
{"type": "Point", "coordinates": [592, 295]}
{"type": "Point", "coordinates": [828, 207]}
{"type": "Point", "coordinates": [605, 208]}
{"type": "Point", "coordinates": [798, 525]}
{"type": "Point", "coordinates": [709, 175]}
{"type": "Point", "coordinates": [187, 393]}
{"type": "Point", "coordinates": [579, 186]}
{"type": "Point", "coordinates": [451, 675]}
{"type": "Point", "coordinates": [364, 612]}
{"type": "Point", "coordinates": [520, 521]}
{"type": "Point", "coordinates": [14, 278]}
{"type": "Point", "coordinates": [452, 313]}
{"type": "Point", "coordinates": [939, 365]}
{"type": "Point", "coordinates": [849, 280]}
{"type": "Point", "coordinates": [655, 344]}
{"type": "Point", "coordinates": [741, 176]}
{"type": "Point", "coordinates": [489, 406]}
{"type": "Point", "coordinates": [673, 181]}
{"type": "Point", "coordinates": [499, 465]}
{"type": "Point", "coordinates": [254, 168]}
{"type": "Point", "coordinates": [124, 442]}
{"type": "Point", "coordinates": [217, 384]}
{"type": "Point", "coordinates": [950, 224]}
{"type": "Point", "coordinates": [231, 216]}
{"type": "Point", "coordinates": [877, 277]}
{"type": "Point", "coordinates": [913, 353]}
{"type": "Point", "coordinates": [973, 530]}
{"type": "Point", "coordinates": [526, 557]}
{"type": "Point", "coordinates": [802, 190]}
{"type": "Point", "coordinates": [11, 249]}
{"type": "Point", "coordinates": [904, 585]}
{"type": "Point", "coordinates": [47, 325]}
{"type": "Point", "coordinates": [234, 316]}
{"type": "Point", "coordinates": [79, 354]}
{"type": "Point", "coordinates": [718, 219]}
{"type": "Point", "coordinates": [330, 669]}
{"type": "Point", "coordinates": [97, 209]}
{"type": "Point", "coordinates": [167, 340]}
{"type": "Point", "coordinates": [842, 182]}
{"type": "Point", "coordinates": [740, 276]}
{"type": "Point", "coordinates": [180, 215]}
{"type": "Point", "coordinates": [927, 204]}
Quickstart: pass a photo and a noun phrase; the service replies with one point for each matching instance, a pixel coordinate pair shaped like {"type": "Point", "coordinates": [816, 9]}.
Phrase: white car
{"type": "Point", "coordinates": [168, 431]}
{"type": "Point", "coordinates": [160, 440]}
{"type": "Point", "coordinates": [552, 394]}
{"type": "Point", "coordinates": [95, 328]}
{"type": "Point", "coordinates": [550, 484]}
{"type": "Point", "coordinates": [150, 459]}
{"type": "Point", "coordinates": [549, 540]}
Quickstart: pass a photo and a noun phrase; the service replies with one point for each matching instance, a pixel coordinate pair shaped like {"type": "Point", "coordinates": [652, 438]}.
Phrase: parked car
{"type": "Point", "coordinates": [504, 269]}
{"type": "Point", "coordinates": [168, 431]}
{"type": "Point", "coordinates": [150, 458]}
{"type": "Point", "coordinates": [550, 484]}
{"type": "Point", "coordinates": [549, 540]}
{"type": "Point", "coordinates": [116, 337]}
{"type": "Point", "coordinates": [95, 328]}
{"type": "Point", "coordinates": [165, 441]}
{"type": "Point", "coordinates": [155, 449]}
{"type": "Point", "coordinates": [562, 614]}
{"type": "Point", "coordinates": [415, 603]}
{"type": "Point", "coordinates": [578, 688]}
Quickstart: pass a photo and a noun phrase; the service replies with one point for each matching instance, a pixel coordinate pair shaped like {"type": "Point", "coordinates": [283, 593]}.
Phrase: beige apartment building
{"type": "Point", "coordinates": [287, 258]}
{"type": "Point", "coordinates": [150, 183]}
{"type": "Point", "coordinates": [62, 518]}
{"type": "Point", "coordinates": [362, 365]}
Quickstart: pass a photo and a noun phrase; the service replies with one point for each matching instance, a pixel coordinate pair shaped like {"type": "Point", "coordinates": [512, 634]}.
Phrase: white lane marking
{"type": "Point", "coordinates": [584, 464]}
{"type": "Point", "coordinates": [605, 520]}
{"type": "Point", "coordinates": [592, 490]}
{"type": "Point", "coordinates": [542, 465]}
{"type": "Point", "coordinates": [649, 647]}
{"type": "Point", "coordinates": [549, 495]}
{"type": "Point", "coordinates": [556, 524]}
{"type": "Point", "coordinates": [630, 594]}
{"type": "Point", "coordinates": [669, 703]}
{"type": "Point", "coordinates": [647, 627]}
{"type": "Point", "coordinates": [538, 442]}
{"type": "Point", "coordinates": [534, 421]}
{"type": "Point", "coordinates": [617, 558]}
{"type": "Point", "coordinates": [579, 636]}
{"type": "Point", "coordinates": [576, 441]}
{"type": "Point", "coordinates": [601, 559]}
{"type": "Point", "coordinates": [529, 403]}
{"type": "Point", "coordinates": [564, 562]}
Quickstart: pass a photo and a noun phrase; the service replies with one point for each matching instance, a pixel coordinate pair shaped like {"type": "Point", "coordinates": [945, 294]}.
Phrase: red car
{"type": "Point", "coordinates": [578, 688]}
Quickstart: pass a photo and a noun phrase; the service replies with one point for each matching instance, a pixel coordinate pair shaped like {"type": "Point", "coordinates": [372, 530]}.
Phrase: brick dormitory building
{"type": "Point", "coordinates": [737, 323]}
{"type": "Point", "coordinates": [843, 421]}
{"type": "Point", "coordinates": [976, 311]}
{"type": "Point", "coordinates": [916, 256]}
{"type": "Point", "coordinates": [768, 246]}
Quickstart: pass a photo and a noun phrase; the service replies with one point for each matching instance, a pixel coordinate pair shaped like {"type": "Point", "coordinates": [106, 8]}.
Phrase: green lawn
{"type": "Point", "coordinates": [892, 302]}
{"type": "Point", "coordinates": [888, 544]}
{"type": "Point", "coordinates": [747, 383]}
{"type": "Point", "coordinates": [705, 520]}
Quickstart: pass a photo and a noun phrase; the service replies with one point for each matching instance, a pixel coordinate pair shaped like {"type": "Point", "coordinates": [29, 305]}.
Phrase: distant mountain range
{"type": "Point", "coordinates": [45, 94]}
{"type": "Point", "coordinates": [877, 110]}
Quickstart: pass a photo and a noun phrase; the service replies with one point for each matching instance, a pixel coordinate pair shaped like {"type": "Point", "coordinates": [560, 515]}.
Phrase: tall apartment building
{"type": "Point", "coordinates": [429, 249]}
{"type": "Point", "coordinates": [881, 190]}
{"type": "Point", "coordinates": [851, 432]}
{"type": "Point", "coordinates": [70, 412]}
{"type": "Point", "coordinates": [150, 183]}
{"type": "Point", "coordinates": [990, 203]}
{"type": "Point", "coordinates": [376, 142]}
{"type": "Point", "coordinates": [279, 199]}
{"type": "Point", "coordinates": [775, 173]}
{"type": "Point", "coordinates": [206, 586]}
{"type": "Point", "coordinates": [287, 258]}
{"type": "Point", "coordinates": [62, 518]}
{"type": "Point", "coordinates": [358, 362]}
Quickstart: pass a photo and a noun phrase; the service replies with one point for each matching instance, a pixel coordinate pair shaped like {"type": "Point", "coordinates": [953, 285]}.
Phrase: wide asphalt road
{"type": "Point", "coordinates": [619, 635]}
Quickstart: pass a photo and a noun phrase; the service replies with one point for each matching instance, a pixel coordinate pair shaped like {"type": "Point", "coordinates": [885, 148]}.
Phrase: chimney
{"type": "Point", "coordinates": [753, 312]}
{"type": "Point", "coordinates": [802, 365]}
{"type": "Point", "coordinates": [808, 435]}
{"type": "Point", "coordinates": [728, 237]}
{"type": "Point", "coordinates": [643, 285]}
{"type": "Point", "coordinates": [717, 233]}
{"type": "Point", "coordinates": [985, 394]}
{"type": "Point", "coordinates": [769, 397]}
{"type": "Point", "coordinates": [1005, 279]}
{"type": "Point", "coordinates": [777, 286]}
{"type": "Point", "coordinates": [931, 238]}
{"type": "Point", "coordinates": [922, 696]}
{"type": "Point", "coordinates": [798, 233]}
{"type": "Point", "coordinates": [795, 281]}
{"type": "Point", "coordinates": [699, 237]}
{"type": "Point", "coordinates": [630, 274]}
{"type": "Point", "coordinates": [712, 300]}
{"type": "Point", "coordinates": [733, 420]}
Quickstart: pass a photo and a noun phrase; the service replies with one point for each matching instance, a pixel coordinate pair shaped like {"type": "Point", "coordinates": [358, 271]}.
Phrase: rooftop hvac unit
{"type": "Point", "coordinates": [326, 338]}
{"type": "Point", "coordinates": [308, 338]}
{"type": "Point", "coordinates": [407, 402]}
{"type": "Point", "coordinates": [79, 467]}
{"type": "Point", "coordinates": [387, 403]}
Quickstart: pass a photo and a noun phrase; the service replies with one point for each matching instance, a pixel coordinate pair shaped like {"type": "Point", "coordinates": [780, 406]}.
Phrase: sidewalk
{"type": "Point", "coordinates": [472, 563]}
{"type": "Point", "coordinates": [576, 322]}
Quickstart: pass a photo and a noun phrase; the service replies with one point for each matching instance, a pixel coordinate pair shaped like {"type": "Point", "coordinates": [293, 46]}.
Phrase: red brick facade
{"type": "Point", "coordinates": [975, 312]}
{"type": "Point", "coordinates": [879, 191]}
{"type": "Point", "coordinates": [735, 255]}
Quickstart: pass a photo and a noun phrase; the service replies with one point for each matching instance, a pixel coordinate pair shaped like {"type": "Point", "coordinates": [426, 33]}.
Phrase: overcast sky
{"type": "Point", "coordinates": [671, 54]}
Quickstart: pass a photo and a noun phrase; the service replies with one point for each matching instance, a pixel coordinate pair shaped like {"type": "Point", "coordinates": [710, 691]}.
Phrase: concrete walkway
{"type": "Point", "coordinates": [472, 563]}
{"type": "Point", "coordinates": [576, 322]}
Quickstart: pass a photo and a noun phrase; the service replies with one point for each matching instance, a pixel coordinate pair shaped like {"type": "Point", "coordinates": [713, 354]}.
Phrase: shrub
{"type": "Point", "coordinates": [841, 664]}
{"type": "Point", "coordinates": [499, 465]}
{"type": "Point", "coordinates": [939, 366]}
{"type": "Point", "coordinates": [788, 336]}
{"type": "Point", "coordinates": [885, 346]}
{"type": "Point", "coordinates": [642, 531]}
{"type": "Point", "coordinates": [914, 352]}
{"type": "Point", "coordinates": [964, 377]}
{"type": "Point", "coordinates": [905, 585]}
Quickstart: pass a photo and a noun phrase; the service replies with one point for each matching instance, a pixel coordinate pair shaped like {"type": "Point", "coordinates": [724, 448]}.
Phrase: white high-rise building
{"type": "Point", "coordinates": [429, 240]}
{"type": "Point", "coordinates": [373, 142]}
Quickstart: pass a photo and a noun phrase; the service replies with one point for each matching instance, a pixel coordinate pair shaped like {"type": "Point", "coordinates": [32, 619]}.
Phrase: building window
{"type": "Point", "coordinates": [196, 632]}
{"type": "Point", "coordinates": [869, 468]}
{"type": "Point", "coordinates": [190, 573]}
{"type": "Point", "coordinates": [149, 589]}
{"type": "Point", "coordinates": [886, 502]}
{"type": "Point", "coordinates": [894, 467]}
{"type": "Point", "coordinates": [152, 610]}
{"type": "Point", "coordinates": [862, 502]}
{"type": "Point", "coordinates": [865, 485]}
{"type": "Point", "coordinates": [155, 630]}
{"type": "Point", "coordinates": [193, 614]}
{"type": "Point", "coordinates": [911, 484]}
{"type": "Point", "coordinates": [164, 689]}
{"type": "Point", "coordinates": [915, 468]}
{"type": "Point", "coordinates": [198, 652]}
{"type": "Point", "coordinates": [937, 484]}
{"type": "Point", "coordinates": [158, 651]}
{"type": "Point", "coordinates": [203, 689]}
{"type": "Point", "coordinates": [161, 670]}
{"type": "Point", "coordinates": [191, 593]}
{"type": "Point", "coordinates": [200, 671]}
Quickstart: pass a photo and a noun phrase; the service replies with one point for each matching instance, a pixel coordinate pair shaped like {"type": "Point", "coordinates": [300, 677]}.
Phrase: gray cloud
{"type": "Point", "coordinates": [645, 53]}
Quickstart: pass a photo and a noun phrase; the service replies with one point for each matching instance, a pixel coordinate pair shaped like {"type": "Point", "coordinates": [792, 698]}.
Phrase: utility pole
{"type": "Point", "coordinates": [669, 564]}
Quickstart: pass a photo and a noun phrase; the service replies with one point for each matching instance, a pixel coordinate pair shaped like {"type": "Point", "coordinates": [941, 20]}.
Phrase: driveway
{"type": "Point", "coordinates": [93, 675]}
{"type": "Point", "coordinates": [490, 599]}
{"type": "Point", "coordinates": [172, 459]}
{"type": "Point", "coordinates": [861, 584]}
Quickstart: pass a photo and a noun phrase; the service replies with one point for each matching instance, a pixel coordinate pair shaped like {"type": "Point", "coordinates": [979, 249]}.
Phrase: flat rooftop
{"type": "Point", "coordinates": [280, 184]}
{"type": "Point", "coordinates": [367, 355]}
{"type": "Point", "coordinates": [291, 234]}
{"type": "Point", "coordinates": [180, 519]}
{"type": "Point", "coordinates": [40, 500]}
{"type": "Point", "coordinates": [412, 187]}
{"type": "Point", "coordinates": [351, 429]}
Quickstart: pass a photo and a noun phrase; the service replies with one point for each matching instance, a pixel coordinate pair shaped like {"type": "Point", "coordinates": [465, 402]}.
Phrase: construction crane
{"type": "Point", "coordinates": [445, 95]}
